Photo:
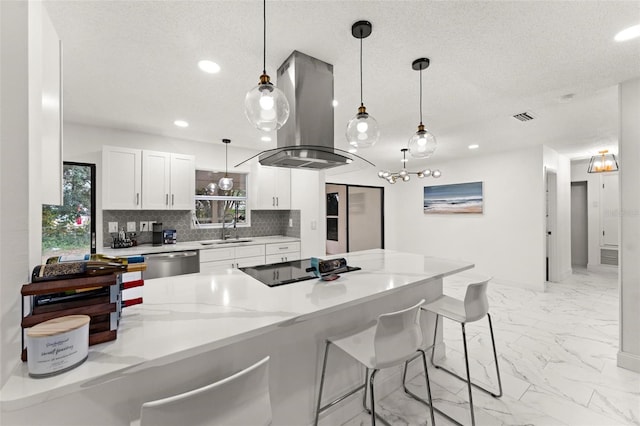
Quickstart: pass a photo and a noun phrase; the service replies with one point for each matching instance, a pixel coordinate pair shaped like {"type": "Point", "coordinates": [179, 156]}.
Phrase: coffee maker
{"type": "Point", "coordinates": [157, 234]}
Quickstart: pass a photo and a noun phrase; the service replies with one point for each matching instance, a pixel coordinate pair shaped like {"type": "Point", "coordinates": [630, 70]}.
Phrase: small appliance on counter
{"type": "Point", "coordinates": [122, 240]}
{"type": "Point", "coordinates": [157, 234]}
{"type": "Point", "coordinates": [169, 236]}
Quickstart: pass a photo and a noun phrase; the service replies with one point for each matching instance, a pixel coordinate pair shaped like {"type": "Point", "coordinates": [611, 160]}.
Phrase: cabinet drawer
{"type": "Point", "coordinates": [250, 251]}
{"type": "Point", "coordinates": [283, 257]}
{"type": "Point", "coordinates": [278, 248]}
{"type": "Point", "coordinates": [206, 267]}
{"type": "Point", "coordinates": [217, 254]}
{"type": "Point", "coordinates": [249, 261]}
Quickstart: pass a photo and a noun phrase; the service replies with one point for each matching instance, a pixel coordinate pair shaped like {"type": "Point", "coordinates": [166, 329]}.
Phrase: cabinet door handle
{"type": "Point", "coordinates": [137, 198]}
{"type": "Point", "coordinates": [273, 201]}
{"type": "Point", "coordinates": [277, 201]}
{"type": "Point", "coordinates": [166, 199]}
{"type": "Point", "coordinates": [173, 199]}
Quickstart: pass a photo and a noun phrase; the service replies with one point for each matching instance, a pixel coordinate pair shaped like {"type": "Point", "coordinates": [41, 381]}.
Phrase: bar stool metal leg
{"type": "Point", "coordinates": [466, 364]}
{"type": "Point", "coordinates": [495, 358]}
{"type": "Point", "coordinates": [429, 404]}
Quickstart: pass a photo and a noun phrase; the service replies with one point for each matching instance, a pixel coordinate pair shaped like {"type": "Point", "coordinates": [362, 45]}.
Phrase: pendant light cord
{"type": "Point", "coordinates": [226, 159]}
{"type": "Point", "coordinates": [264, 36]}
{"type": "Point", "coordinates": [420, 96]}
{"type": "Point", "coordinates": [361, 37]}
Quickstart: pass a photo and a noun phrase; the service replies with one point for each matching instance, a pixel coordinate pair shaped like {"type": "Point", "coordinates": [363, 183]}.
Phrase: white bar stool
{"type": "Point", "coordinates": [474, 307]}
{"type": "Point", "coordinates": [241, 399]}
{"type": "Point", "coordinates": [393, 340]}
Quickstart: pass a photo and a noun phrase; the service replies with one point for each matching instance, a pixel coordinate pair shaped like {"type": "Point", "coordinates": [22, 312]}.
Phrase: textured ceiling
{"type": "Point", "coordinates": [133, 65]}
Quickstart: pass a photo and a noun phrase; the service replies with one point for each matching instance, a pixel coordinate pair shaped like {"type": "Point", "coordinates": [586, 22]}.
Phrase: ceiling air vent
{"type": "Point", "coordinates": [524, 116]}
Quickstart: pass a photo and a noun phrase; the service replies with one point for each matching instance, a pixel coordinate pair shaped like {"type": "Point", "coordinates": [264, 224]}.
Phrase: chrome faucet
{"type": "Point", "coordinates": [234, 216]}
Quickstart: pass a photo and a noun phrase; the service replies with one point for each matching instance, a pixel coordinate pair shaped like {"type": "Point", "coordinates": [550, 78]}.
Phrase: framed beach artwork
{"type": "Point", "coordinates": [453, 199]}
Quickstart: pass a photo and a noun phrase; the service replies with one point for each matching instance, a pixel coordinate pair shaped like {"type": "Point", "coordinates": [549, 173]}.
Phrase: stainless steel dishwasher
{"type": "Point", "coordinates": [171, 263]}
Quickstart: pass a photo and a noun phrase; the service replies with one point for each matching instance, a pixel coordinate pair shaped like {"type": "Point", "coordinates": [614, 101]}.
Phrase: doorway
{"type": "Point", "coordinates": [355, 218]}
{"type": "Point", "coordinates": [579, 225]}
{"type": "Point", "coordinates": [551, 216]}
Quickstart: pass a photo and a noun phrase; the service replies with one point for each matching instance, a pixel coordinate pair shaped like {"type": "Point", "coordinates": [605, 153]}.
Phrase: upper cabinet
{"type": "Point", "coordinates": [183, 181]}
{"type": "Point", "coordinates": [51, 147]}
{"type": "Point", "coordinates": [271, 188]}
{"type": "Point", "coordinates": [140, 179]}
{"type": "Point", "coordinates": [121, 178]}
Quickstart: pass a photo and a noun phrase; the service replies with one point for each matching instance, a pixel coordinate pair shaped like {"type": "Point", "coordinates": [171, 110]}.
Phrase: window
{"type": "Point", "coordinates": [213, 206]}
{"type": "Point", "coordinates": [70, 229]}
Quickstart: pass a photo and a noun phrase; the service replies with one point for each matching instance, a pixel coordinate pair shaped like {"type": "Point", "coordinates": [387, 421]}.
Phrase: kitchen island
{"type": "Point", "coordinates": [197, 328]}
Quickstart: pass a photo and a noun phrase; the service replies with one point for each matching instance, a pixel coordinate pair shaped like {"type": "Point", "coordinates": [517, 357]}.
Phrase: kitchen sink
{"type": "Point", "coordinates": [230, 241]}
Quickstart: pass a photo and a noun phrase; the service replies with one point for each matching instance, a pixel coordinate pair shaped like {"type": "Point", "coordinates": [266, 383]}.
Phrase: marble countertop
{"type": "Point", "coordinates": [193, 245]}
{"type": "Point", "coordinates": [183, 316]}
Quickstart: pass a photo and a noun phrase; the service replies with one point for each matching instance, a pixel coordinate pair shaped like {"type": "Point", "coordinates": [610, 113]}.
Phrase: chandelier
{"type": "Point", "coordinates": [603, 162]}
{"type": "Point", "coordinates": [404, 174]}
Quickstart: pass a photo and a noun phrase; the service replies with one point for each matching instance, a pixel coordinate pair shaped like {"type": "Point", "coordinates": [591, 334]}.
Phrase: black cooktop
{"type": "Point", "coordinates": [277, 274]}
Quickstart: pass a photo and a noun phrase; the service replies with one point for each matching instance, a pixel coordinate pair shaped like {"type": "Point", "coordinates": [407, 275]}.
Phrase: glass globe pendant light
{"type": "Point", "coordinates": [225, 183]}
{"type": "Point", "coordinates": [266, 106]}
{"type": "Point", "coordinates": [362, 130]}
{"type": "Point", "coordinates": [422, 144]}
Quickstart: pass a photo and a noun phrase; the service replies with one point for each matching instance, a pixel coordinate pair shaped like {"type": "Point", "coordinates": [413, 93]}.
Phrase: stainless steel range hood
{"type": "Point", "coordinates": [306, 139]}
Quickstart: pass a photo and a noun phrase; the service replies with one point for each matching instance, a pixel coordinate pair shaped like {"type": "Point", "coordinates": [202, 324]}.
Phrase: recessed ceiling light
{"type": "Point", "coordinates": [209, 66]}
{"type": "Point", "coordinates": [266, 139]}
{"type": "Point", "coordinates": [181, 123]}
{"type": "Point", "coordinates": [628, 33]}
{"type": "Point", "coordinates": [334, 103]}
{"type": "Point", "coordinates": [474, 146]}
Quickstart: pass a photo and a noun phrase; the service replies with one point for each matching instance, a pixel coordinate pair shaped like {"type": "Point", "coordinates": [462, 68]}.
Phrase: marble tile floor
{"type": "Point", "coordinates": [557, 355]}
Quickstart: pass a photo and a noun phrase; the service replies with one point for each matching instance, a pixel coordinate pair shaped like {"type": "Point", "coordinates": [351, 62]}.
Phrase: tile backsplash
{"type": "Point", "coordinates": [263, 223]}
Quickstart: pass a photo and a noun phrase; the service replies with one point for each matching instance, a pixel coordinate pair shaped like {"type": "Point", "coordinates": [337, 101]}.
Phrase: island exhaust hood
{"type": "Point", "coordinates": [305, 141]}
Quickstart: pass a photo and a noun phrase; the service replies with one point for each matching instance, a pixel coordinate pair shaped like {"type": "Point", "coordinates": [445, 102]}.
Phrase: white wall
{"type": "Point", "coordinates": [14, 177]}
{"type": "Point", "coordinates": [20, 165]}
{"type": "Point", "coordinates": [629, 354]}
{"type": "Point", "coordinates": [506, 242]}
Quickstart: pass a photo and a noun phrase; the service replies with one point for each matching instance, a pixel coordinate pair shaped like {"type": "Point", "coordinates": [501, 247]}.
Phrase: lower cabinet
{"type": "Point", "coordinates": [231, 257]}
{"type": "Point", "coordinates": [282, 252]}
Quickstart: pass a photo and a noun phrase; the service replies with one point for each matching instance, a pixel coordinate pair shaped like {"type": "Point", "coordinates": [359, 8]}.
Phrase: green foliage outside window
{"type": "Point", "coordinates": [68, 227]}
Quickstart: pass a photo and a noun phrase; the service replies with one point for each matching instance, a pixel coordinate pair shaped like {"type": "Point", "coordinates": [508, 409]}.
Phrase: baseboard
{"type": "Point", "coordinates": [390, 381]}
{"type": "Point", "coordinates": [629, 361]}
{"type": "Point", "coordinates": [599, 267]}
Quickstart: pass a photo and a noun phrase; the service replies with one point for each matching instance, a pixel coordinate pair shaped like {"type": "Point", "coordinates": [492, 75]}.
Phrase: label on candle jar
{"type": "Point", "coordinates": [57, 345]}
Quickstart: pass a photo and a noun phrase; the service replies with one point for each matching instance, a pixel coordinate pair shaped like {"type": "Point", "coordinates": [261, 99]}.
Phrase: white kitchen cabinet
{"type": "Point", "coordinates": [272, 188]}
{"type": "Point", "coordinates": [136, 179]}
{"type": "Point", "coordinates": [51, 147]}
{"type": "Point", "coordinates": [183, 181]}
{"type": "Point", "coordinates": [168, 181]}
{"type": "Point", "coordinates": [156, 180]}
{"type": "Point", "coordinates": [231, 257]}
{"type": "Point", "coordinates": [282, 252]}
{"type": "Point", "coordinates": [121, 178]}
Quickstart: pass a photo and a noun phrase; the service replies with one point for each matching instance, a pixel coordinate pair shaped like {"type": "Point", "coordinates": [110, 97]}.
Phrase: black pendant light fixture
{"type": "Point", "coordinates": [266, 106]}
{"type": "Point", "coordinates": [226, 183]}
{"type": "Point", "coordinates": [422, 144]}
{"type": "Point", "coordinates": [404, 175]}
{"type": "Point", "coordinates": [362, 130]}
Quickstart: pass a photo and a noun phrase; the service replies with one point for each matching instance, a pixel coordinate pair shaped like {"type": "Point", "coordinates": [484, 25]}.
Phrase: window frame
{"type": "Point", "coordinates": [195, 224]}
